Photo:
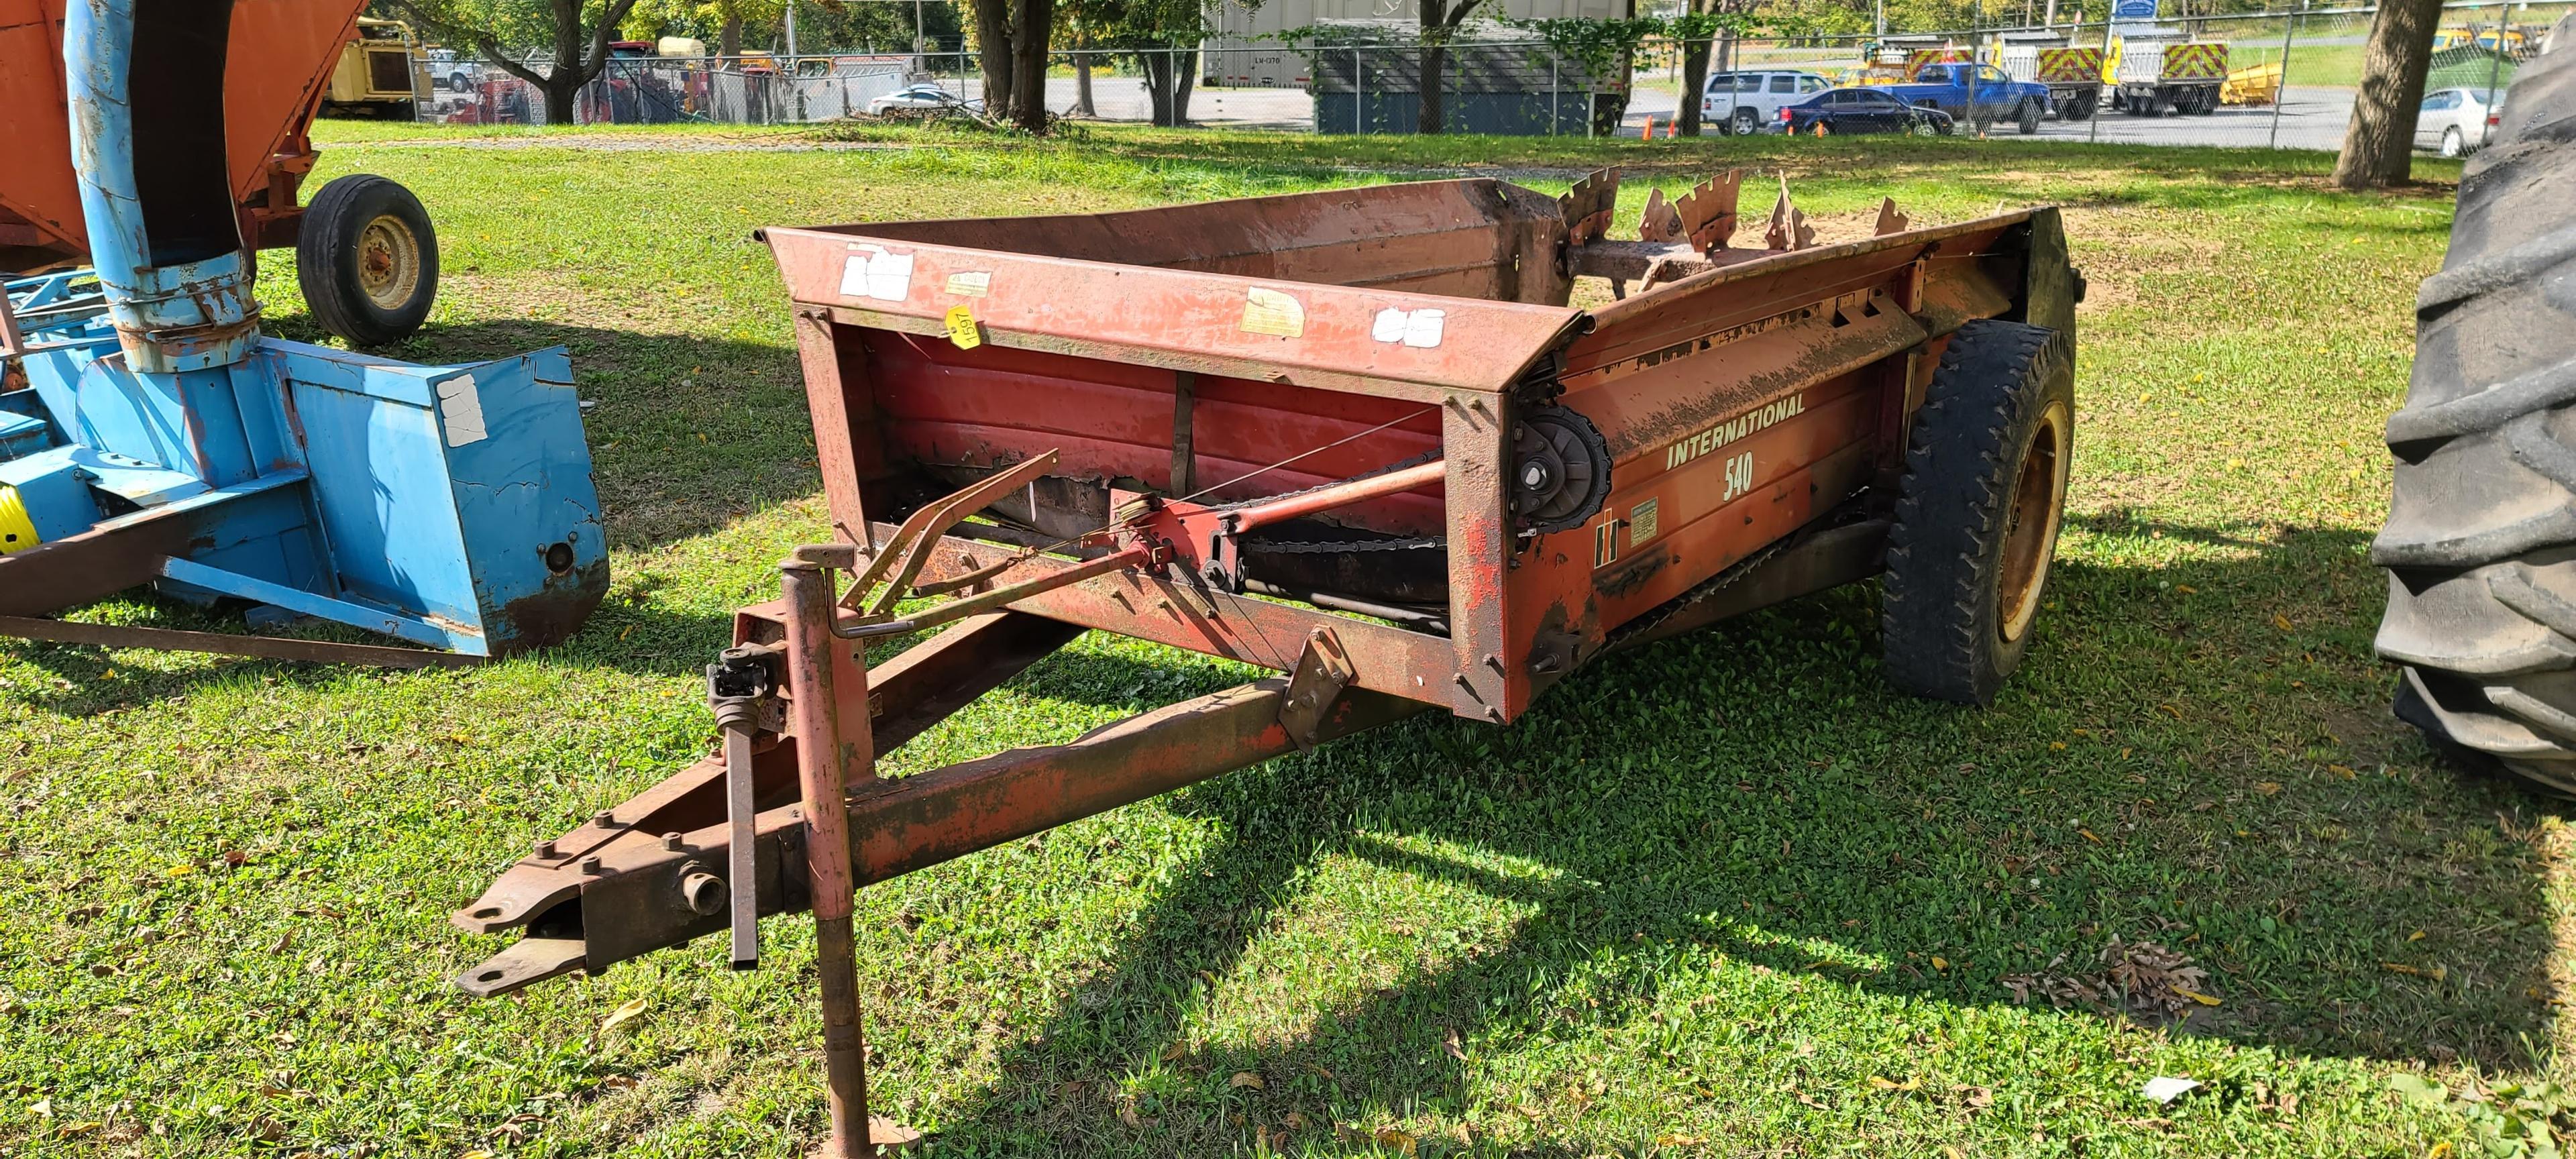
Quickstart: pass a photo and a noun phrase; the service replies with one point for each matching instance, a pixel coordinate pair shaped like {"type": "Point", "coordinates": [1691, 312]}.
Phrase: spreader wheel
{"type": "Point", "coordinates": [1560, 469]}
{"type": "Point", "coordinates": [1978, 511]}
{"type": "Point", "coordinates": [367, 260]}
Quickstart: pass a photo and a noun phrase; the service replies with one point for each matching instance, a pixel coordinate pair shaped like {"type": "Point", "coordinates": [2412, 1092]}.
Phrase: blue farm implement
{"type": "Point", "coordinates": [150, 434]}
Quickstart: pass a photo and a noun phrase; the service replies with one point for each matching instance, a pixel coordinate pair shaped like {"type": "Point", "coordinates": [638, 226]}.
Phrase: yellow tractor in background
{"type": "Point", "coordinates": [383, 73]}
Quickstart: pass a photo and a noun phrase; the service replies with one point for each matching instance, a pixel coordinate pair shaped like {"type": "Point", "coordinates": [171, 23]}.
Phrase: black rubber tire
{"type": "Point", "coordinates": [1942, 617]}
{"type": "Point", "coordinates": [2030, 114]}
{"type": "Point", "coordinates": [2480, 543]}
{"type": "Point", "coordinates": [1744, 123]}
{"type": "Point", "coordinates": [330, 246]}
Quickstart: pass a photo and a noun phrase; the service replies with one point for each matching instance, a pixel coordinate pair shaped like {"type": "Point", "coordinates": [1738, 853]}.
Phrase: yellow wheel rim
{"type": "Point", "coordinates": [388, 262]}
{"type": "Point", "coordinates": [2030, 530]}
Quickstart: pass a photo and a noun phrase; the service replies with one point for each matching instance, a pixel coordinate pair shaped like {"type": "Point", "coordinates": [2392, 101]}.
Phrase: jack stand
{"type": "Point", "coordinates": [825, 674]}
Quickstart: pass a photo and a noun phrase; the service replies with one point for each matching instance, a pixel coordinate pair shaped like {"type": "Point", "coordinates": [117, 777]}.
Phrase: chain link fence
{"type": "Point", "coordinates": [2280, 79]}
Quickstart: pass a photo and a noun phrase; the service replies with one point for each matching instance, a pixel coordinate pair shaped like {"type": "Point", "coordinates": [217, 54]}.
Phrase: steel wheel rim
{"type": "Point", "coordinates": [2030, 526]}
{"type": "Point", "coordinates": [388, 262]}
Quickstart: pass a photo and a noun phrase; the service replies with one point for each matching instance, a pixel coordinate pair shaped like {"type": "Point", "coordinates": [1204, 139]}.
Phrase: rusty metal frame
{"type": "Point", "coordinates": [1829, 347]}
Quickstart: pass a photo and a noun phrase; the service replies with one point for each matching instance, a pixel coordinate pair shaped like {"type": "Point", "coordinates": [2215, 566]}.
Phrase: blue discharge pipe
{"type": "Point", "coordinates": [150, 434]}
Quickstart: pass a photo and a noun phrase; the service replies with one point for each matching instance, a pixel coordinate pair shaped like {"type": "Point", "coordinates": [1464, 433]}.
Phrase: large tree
{"type": "Point", "coordinates": [1163, 38]}
{"type": "Point", "coordinates": [2379, 141]}
{"type": "Point", "coordinates": [575, 32]}
{"type": "Point", "coordinates": [1440, 22]}
{"type": "Point", "coordinates": [1011, 48]}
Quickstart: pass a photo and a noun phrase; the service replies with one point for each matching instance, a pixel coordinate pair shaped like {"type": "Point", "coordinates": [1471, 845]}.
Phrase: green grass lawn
{"type": "Point", "coordinates": [1726, 895]}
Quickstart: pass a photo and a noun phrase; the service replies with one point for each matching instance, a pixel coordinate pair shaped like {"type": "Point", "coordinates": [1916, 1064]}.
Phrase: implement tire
{"type": "Point", "coordinates": [367, 260]}
{"type": "Point", "coordinates": [1978, 511]}
{"type": "Point", "coordinates": [2480, 543]}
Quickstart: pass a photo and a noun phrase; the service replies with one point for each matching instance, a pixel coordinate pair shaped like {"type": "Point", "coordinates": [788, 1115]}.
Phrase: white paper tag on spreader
{"type": "Point", "coordinates": [1419, 328]}
{"type": "Point", "coordinates": [460, 409]}
{"type": "Point", "coordinates": [871, 272]}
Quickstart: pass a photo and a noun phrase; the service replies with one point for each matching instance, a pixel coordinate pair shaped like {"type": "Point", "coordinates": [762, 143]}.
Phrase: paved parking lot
{"type": "Point", "coordinates": [2310, 118]}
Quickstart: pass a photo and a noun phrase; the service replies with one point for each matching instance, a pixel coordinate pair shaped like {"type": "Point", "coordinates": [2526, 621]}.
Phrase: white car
{"type": "Point", "coordinates": [2458, 122]}
{"type": "Point", "coordinates": [919, 97]}
{"type": "Point", "coordinates": [1749, 102]}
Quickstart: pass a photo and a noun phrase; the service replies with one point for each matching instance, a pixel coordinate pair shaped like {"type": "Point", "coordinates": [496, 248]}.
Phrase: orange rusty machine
{"type": "Point", "coordinates": [367, 259]}
{"type": "Point", "coordinates": [1359, 438]}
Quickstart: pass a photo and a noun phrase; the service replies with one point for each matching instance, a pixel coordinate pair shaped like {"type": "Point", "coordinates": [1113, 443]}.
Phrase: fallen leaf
{"type": "Point", "coordinates": [2186, 589]}
{"type": "Point", "coordinates": [1451, 1046]}
{"type": "Point", "coordinates": [86, 1126]}
{"type": "Point", "coordinates": [1245, 1078]}
{"type": "Point", "coordinates": [621, 1014]}
{"type": "Point", "coordinates": [2088, 835]}
{"type": "Point", "coordinates": [283, 940]}
{"type": "Point", "coordinates": [476, 1155]}
{"type": "Point", "coordinates": [1940, 963]}
{"type": "Point", "coordinates": [2280, 621]}
{"type": "Point", "coordinates": [1127, 1115]}
{"type": "Point", "coordinates": [1888, 1084]}
{"type": "Point", "coordinates": [885, 1132]}
{"type": "Point", "coordinates": [2197, 996]}
{"type": "Point", "coordinates": [2400, 968]}
{"type": "Point", "coordinates": [1977, 1096]}
{"type": "Point", "coordinates": [1681, 1140]}
{"type": "Point", "coordinates": [44, 1109]}
{"type": "Point", "coordinates": [2176, 713]}
{"type": "Point", "coordinates": [1529, 1112]}
{"type": "Point", "coordinates": [182, 869]}
{"type": "Point", "coordinates": [2417, 936]}
{"type": "Point", "coordinates": [1294, 1121]}
{"type": "Point", "coordinates": [2441, 1150]}
{"type": "Point", "coordinates": [1173, 1052]}
{"type": "Point", "coordinates": [2340, 770]}
{"type": "Point", "coordinates": [1404, 1144]}
{"type": "Point", "coordinates": [2267, 788]}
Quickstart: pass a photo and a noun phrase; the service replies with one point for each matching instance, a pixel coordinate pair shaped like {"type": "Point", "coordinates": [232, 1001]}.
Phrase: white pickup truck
{"type": "Point", "coordinates": [1749, 102]}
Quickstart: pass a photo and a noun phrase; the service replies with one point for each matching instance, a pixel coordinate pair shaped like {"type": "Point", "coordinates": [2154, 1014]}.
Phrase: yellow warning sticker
{"type": "Point", "coordinates": [1641, 521]}
{"type": "Point", "coordinates": [962, 328]}
{"type": "Point", "coordinates": [1267, 311]}
{"type": "Point", "coordinates": [17, 531]}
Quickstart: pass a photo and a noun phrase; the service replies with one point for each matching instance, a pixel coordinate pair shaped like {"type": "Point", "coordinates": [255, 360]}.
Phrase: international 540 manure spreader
{"type": "Point", "coordinates": [1358, 438]}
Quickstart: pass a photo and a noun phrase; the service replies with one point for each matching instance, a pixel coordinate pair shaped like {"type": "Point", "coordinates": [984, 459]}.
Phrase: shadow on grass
{"type": "Point", "coordinates": [2186, 773]}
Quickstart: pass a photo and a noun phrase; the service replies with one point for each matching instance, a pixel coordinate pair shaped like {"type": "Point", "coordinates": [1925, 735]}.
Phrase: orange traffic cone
{"type": "Point", "coordinates": [1647, 133]}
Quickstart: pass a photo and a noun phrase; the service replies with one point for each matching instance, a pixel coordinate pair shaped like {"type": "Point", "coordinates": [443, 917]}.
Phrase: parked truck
{"type": "Point", "coordinates": [1977, 94]}
{"type": "Point", "coordinates": [2157, 74]}
{"type": "Point", "coordinates": [2074, 76]}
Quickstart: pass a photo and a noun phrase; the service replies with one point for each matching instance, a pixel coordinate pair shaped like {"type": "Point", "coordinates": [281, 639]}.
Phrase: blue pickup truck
{"type": "Point", "coordinates": [1975, 94]}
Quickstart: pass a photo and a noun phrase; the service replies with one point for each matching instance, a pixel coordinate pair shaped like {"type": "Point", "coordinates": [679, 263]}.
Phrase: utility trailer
{"type": "Point", "coordinates": [1358, 438]}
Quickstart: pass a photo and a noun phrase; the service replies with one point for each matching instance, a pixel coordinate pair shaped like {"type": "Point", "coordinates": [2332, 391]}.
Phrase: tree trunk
{"type": "Point", "coordinates": [1695, 56]}
{"type": "Point", "coordinates": [1185, 75]}
{"type": "Point", "coordinates": [1157, 67]}
{"type": "Point", "coordinates": [560, 89]}
{"type": "Point", "coordinates": [2379, 143]}
{"type": "Point", "coordinates": [993, 54]}
{"type": "Point", "coordinates": [1031, 20]}
{"type": "Point", "coordinates": [1432, 116]}
{"type": "Point", "coordinates": [1082, 106]}
{"type": "Point", "coordinates": [729, 37]}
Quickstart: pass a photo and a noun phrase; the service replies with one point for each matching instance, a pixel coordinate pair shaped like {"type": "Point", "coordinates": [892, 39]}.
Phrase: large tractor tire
{"type": "Point", "coordinates": [1978, 510]}
{"type": "Point", "coordinates": [2480, 544]}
